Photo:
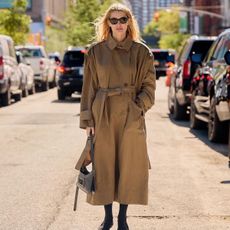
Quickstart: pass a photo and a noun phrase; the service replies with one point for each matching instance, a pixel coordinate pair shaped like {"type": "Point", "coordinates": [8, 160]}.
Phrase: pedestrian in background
{"type": "Point", "coordinates": [118, 89]}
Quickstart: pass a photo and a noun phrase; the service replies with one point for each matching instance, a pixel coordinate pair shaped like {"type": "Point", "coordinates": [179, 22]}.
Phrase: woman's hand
{"type": "Point", "coordinates": [90, 129]}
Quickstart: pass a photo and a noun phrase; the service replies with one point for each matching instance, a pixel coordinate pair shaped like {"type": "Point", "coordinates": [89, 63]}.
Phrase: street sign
{"type": "Point", "coordinates": [183, 22]}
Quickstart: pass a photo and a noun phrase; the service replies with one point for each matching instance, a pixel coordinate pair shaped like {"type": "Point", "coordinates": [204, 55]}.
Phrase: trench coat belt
{"type": "Point", "coordinates": [109, 92]}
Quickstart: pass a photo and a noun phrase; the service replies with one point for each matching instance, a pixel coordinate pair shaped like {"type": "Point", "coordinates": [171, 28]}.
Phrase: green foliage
{"type": "Point", "coordinates": [80, 19]}
{"type": "Point", "coordinates": [55, 40]}
{"type": "Point", "coordinates": [167, 28]}
{"type": "Point", "coordinates": [15, 23]}
{"type": "Point", "coordinates": [173, 41]}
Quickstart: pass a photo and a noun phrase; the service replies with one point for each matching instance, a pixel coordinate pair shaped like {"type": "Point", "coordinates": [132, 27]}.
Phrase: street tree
{"type": "Point", "coordinates": [166, 27]}
{"type": "Point", "coordinates": [15, 23]}
{"type": "Point", "coordinates": [80, 20]}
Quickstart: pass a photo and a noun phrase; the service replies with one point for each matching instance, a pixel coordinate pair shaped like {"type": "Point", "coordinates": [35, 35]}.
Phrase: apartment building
{"type": "Point", "coordinates": [145, 9]}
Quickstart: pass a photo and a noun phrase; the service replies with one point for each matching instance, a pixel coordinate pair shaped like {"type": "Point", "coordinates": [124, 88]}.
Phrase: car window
{"type": "Point", "coordinates": [200, 47]}
{"type": "Point", "coordinates": [224, 47]}
{"type": "Point", "coordinates": [27, 53]}
{"type": "Point", "coordinates": [184, 51]}
{"type": "Point", "coordinates": [11, 49]}
{"type": "Point", "coordinates": [5, 47]}
{"type": "Point", "coordinates": [73, 58]}
{"type": "Point", "coordinates": [211, 51]}
{"type": "Point", "coordinates": [217, 49]}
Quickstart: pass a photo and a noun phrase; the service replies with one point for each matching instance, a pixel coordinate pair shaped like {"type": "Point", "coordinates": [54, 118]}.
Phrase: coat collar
{"type": "Point", "coordinates": [126, 44]}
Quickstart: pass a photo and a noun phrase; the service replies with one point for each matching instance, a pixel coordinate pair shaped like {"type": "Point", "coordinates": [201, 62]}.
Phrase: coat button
{"type": "Point", "coordinates": [126, 84]}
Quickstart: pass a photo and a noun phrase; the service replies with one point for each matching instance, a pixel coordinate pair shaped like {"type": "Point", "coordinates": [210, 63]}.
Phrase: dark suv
{"type": "Point", "coordinates": [70, 73]}
{"type": "Point", "coordinates": [161, 59]}
{"type": "Point", "coordinates": [179, 91]}
{"type": "Point", "coordinates": [211, 90]}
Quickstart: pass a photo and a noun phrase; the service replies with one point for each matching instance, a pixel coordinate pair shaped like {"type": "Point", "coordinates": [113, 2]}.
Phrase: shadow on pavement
{"type": "Point", "coordinates": [202, 134]}
{"type": "Point", "coordinates": [68, 100]}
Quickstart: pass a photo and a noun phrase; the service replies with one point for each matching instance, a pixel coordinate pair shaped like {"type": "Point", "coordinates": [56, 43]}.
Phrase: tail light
{"type": "Point", "coordinates": [42, 66]}
{"type": "Point", "coordinates": [63, 69]}
{"type": "Point", "coordinates": [186, 69]}
{"type": "Point", "coordinates": [209, 78]}
{"type": "Point", "coordinates": [1, 68]}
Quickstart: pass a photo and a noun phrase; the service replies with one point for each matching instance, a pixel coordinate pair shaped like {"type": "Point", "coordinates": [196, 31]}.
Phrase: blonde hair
{"type": "Point", "coordinates": [102, 28]}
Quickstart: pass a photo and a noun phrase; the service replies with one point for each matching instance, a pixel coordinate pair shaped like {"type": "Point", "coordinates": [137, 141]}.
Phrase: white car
{"type": "Point", "coordinates": [44, 68]}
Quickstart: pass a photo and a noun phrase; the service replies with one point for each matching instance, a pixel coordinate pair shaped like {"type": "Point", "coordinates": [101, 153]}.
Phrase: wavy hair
{"type": "Point", "coordinates": [103, 30]}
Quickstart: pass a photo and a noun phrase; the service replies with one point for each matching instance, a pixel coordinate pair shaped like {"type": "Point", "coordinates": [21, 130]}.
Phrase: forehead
{"type": "Point", "coordinates": [117, 14]}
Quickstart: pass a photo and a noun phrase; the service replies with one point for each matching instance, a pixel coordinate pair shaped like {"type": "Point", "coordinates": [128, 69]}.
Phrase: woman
{"type": "Point", "coordinates": [118, 88]}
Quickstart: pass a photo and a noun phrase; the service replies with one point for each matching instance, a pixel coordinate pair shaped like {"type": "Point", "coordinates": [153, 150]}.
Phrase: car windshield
{"type": "Point", "coordinates": [73, 58]}
{"type": "Point", "coordinates": [200, 47]}
{"type": "Point", "coordinates": [27, 53]}
{"type": "Point", "coordinates": [162, 55]}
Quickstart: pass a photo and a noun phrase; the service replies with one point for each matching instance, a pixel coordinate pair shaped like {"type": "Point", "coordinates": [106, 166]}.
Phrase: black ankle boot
{"type": "Point", "coordinates": [106, 225]}
{"type": "Point", "coordinates": [123, 226]}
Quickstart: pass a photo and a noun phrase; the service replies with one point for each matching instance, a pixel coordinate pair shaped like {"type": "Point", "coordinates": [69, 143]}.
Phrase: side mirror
{"type": "Point", "coordinates": [196, 58]}
{"type": "Point", "coordinates": [227, 57]}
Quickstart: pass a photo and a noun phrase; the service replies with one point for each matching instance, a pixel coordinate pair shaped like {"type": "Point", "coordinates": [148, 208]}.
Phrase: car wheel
{"type": "Point", "coordinates": [179, 112]}
{"type": "Point", "coordinates": [6, 98]}
{"type": "Point", "coordinates": [194, 122]}
{"type": "Point", "coordinates": [170, 104]}
{"type": "Point", "coordinates": [61, 95]}
{"type": "Point", "coordinates": [32, 90]}
{"type": "Point", "coordinates": [217, 130]}
{"type": "Point", "coordinates": [17, 97]}
{"type": "Point", "coordinates": [45, 86]}
{"type": "Point", "coordinates": [25, 92]}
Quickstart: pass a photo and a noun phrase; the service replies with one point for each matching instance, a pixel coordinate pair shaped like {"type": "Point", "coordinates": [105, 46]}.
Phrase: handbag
{"type": "Point", "coordinates": [86, 179]}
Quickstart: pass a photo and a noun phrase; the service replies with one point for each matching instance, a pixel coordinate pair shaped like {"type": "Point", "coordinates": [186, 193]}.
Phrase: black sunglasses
{"type": "Point", "coordinates": [122, 20]}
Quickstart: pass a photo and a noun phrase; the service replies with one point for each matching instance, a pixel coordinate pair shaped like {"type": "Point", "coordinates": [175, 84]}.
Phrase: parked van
{"type": "Point", "coordinates": [9, 72]}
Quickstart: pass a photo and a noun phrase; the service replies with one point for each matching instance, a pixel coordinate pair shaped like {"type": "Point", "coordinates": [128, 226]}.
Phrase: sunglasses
{"type": "Point", "coordinates": [122, 20]}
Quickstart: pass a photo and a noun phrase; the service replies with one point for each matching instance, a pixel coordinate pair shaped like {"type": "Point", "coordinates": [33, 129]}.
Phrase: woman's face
{"type": "Point", "coordinates": [118, 27]}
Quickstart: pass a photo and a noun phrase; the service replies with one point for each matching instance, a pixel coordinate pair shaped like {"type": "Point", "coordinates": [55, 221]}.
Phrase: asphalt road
{"type": "Point", "coordinates": [40, 141]}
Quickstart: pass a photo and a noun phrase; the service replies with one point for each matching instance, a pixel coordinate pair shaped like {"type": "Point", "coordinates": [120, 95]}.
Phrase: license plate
{"type": "Point", "coordinates": [81, 71]}
{"type": "Point", "coordinates": [66, 83]}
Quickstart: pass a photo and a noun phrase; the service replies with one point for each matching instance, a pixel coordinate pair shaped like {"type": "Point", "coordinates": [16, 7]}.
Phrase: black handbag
{"type": "Point", "coordinates": [86, 179]}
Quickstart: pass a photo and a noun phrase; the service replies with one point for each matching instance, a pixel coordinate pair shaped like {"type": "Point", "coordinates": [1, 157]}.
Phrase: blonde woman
{"type": "Point", "coordinates": [118, 89]}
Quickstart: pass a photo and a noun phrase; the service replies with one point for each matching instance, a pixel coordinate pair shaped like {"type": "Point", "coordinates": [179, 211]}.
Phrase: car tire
{"type": "Point", "coordinates": [6, 98]}
{"type": "Point", "coordinates": [18, 97]}
{"type": "Point", "coordinates": [217, 130]}
{"type": "Point", "coordinates": [170, 106]}
{"type": "Point", "coordinates": [25, 92]}
{"type": "Point", "coordinates": [45, 86]}
{"type": "Point", "coordinates": [179, 112]}
{"type": "Point", "coordinates": [194, 122]}
{"type": "Point", "coordinates": [32, 90]}
{"type": "Point", "coordinates": [61, 95]}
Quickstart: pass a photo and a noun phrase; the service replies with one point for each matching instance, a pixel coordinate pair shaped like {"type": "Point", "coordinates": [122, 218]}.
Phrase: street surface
{"type": "Point", "coordinates": [40, 141]}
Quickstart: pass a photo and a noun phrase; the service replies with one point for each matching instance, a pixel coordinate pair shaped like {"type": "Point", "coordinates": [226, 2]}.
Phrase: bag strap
{"type": "Point", "coordinates": [91, 137]}
{"type": "Point", "coordinates": [75, 199]}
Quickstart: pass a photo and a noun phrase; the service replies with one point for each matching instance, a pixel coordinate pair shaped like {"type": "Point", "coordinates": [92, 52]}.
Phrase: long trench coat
{"type": "Point", "coordinates": [118, 89]}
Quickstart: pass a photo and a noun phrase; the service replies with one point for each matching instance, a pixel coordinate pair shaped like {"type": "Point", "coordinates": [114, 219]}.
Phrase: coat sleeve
{"type": "Point", "coordinates": [146, 95]}
{"type": "Point", "coordinates": [88, 91]}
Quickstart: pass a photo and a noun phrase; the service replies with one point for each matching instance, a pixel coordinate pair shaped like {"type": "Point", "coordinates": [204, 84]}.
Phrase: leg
{"type": "Point", "coordinates": [108, 221]}
{"type": "Point", "coordinates": [122, 224]}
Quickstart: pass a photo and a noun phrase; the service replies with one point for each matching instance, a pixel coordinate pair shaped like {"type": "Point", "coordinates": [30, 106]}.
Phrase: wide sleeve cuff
{"type": "Point", "coordinates": [86, 119]}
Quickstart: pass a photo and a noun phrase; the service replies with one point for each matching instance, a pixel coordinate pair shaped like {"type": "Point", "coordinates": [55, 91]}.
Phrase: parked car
{"type": "Point", "coordinates": [43, 67]}
{"type": "Point", "coordinates": [179, 91]}
{"type": "Point", "coordinates": [70, 73]}
{"type": "Point", "coordinates": [211, 90]}
{"type": "Point", "coordinates": [161, 59]}
{"type": "Point", "coordinates": [9, 72]}
{"type": "Point", "coordinates": [56, 57]}
{"type": "Point", "coordinates": [27, 75]}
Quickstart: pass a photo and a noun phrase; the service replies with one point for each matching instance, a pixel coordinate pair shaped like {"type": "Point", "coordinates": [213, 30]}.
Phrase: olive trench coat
{"type": "Point", "coordinates": [118, 89]}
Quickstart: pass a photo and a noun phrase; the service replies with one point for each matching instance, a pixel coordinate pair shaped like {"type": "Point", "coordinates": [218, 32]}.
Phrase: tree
{"type": "Point", "coordinates": [167, 28]}
{"type": "Point", "coordinates": [80, 20]}
{"type": "Point", "coordinates": [15, 23]}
